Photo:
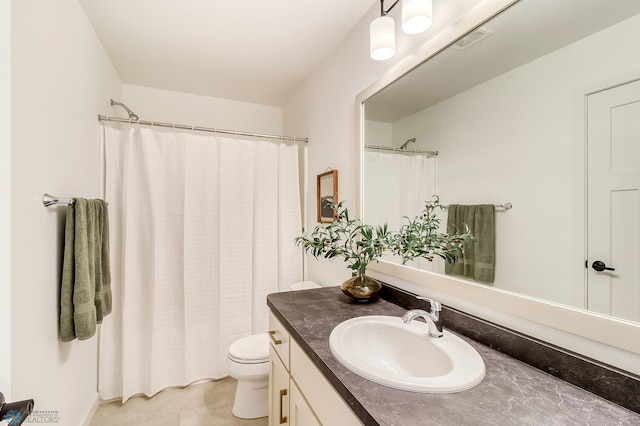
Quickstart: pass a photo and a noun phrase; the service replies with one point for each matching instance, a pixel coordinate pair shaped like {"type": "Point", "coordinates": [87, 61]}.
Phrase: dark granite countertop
{"type": "Point", "coordinates": [512, 392]}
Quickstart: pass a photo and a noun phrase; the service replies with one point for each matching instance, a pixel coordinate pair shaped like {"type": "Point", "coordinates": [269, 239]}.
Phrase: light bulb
{"type": "Point", "coordinates": [416, 15]}
{"type": "Point", "coordinates": [382, 38]}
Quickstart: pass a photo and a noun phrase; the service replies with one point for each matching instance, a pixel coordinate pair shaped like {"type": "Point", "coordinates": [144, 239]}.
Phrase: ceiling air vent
{"type": "Point", "coordinates": [472, 38]}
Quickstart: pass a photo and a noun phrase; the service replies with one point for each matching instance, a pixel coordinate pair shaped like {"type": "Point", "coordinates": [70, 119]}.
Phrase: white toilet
{"type": "Point", "coordinates": [249, 365]}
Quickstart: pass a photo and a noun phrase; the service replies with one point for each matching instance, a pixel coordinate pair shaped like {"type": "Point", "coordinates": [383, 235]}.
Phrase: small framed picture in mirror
{"type": "Point", "coordinates": [327, 193]}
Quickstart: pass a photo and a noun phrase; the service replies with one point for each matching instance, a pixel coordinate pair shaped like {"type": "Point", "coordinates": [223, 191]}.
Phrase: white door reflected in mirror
{"type": "Point", "coordinates": [613, 135]}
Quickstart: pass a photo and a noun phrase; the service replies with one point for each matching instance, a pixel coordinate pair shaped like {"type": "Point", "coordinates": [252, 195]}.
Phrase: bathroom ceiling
{"type": "Point", "coordinates": [248, 50]}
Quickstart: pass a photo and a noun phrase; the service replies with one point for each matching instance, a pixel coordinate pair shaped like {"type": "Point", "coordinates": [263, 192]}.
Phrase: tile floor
{"type": "Point", "coordinates": [202, 404]}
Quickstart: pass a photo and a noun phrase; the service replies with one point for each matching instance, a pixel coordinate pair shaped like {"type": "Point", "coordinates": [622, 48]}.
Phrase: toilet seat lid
{"type": "Point", "coordinates": [251, 348]}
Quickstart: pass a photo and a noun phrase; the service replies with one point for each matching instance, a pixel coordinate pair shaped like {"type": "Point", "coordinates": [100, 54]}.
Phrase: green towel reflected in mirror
{"type": "Point", "coordinates": [478, 260]}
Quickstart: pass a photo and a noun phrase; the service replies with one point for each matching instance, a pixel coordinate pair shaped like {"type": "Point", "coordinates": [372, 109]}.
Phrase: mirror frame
{"type": "Point", "coordinates": [600, 328]}
{"type": "Point", "coordinates": [329, 179]}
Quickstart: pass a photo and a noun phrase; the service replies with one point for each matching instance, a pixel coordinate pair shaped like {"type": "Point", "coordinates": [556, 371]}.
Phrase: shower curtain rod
{"type": "Point", "coordinates": [200, 129]}
{"type": "Point", "coordinates": [405, 151]}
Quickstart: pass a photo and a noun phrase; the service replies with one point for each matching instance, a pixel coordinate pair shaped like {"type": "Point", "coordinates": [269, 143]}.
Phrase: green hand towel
{"type": "Point", "coordinates": [67, 329]}
{"type": "Point", "coordinates": [85, 296]}
{"type": "Point", "coordinates": [103, 268]}
{"type": "Point", "coordinates": [478, 260]}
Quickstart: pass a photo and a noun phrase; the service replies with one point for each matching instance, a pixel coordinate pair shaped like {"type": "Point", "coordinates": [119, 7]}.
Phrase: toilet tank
{"type": "Point", "coordinates": [304, 285]}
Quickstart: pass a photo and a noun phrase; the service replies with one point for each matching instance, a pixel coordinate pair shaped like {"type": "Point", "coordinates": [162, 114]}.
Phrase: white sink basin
{"type": "Point", "coordinates": [387, 351]}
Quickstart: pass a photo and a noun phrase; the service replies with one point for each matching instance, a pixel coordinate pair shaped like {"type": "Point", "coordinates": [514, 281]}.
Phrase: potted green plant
{"type": "Point", "coordinates": [359, 244]}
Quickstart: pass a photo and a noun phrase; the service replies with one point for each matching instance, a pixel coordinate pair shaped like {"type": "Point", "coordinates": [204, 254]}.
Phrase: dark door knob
{"type": "Point", "coordinates": [599, 266]}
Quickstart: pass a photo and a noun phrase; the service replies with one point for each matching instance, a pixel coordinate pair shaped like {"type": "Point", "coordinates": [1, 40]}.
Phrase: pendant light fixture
{"type": "Point", "coordinates": [383, 38]}
{"type": "Point", "coordinates": [416, 18]}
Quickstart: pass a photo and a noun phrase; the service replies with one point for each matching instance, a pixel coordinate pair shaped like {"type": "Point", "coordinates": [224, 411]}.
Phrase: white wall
{"type": "Point", "coordinates": [511, 139]}
{"type": "Point", "coordinates": [378, 133]}
{"type": "Point", "coordinates": [61, 80]}
{"type": "Point", "coordinates": [5, 194]}
{"type": "Point", "coordinates": [183, 108]}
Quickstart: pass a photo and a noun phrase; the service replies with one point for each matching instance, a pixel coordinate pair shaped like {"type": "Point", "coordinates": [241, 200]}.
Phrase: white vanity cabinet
{"type": "Point", "coordinates": [299, 395]}
{"type": "Point", "coordinates": [287, 405]}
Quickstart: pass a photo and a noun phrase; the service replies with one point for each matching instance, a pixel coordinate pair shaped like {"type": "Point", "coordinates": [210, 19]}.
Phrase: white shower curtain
{"type": "Point", "coordinates": [396, 185]}
{"type": "Point", "coordinates": [202, 229]}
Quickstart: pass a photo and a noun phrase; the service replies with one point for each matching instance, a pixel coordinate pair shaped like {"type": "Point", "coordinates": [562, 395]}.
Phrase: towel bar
{"type": "Point", "coordinates": [506, 206]}
{"type": "Point", "coordinates": [50, 200]}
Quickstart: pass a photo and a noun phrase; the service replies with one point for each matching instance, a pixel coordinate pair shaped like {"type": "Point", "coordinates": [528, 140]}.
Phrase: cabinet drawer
{"type": "Point", "coordinates": [328, 406]}
{"type": "Point", "coordinates": [279, 339]}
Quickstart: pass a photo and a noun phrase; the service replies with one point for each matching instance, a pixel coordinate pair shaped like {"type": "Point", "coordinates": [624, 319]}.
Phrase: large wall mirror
{"type": "Point", "coordinates": [538, 107]}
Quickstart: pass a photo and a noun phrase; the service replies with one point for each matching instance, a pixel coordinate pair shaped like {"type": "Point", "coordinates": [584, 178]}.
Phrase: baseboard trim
{"type": "Point", "coordinates": [91, 411]}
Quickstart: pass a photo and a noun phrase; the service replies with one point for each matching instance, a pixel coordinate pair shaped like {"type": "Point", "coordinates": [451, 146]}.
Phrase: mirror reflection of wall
{"type": "Point", "coordinates": [510, 134]}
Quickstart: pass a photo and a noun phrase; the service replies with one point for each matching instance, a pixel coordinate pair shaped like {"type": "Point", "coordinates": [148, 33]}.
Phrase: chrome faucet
{"type": "Point", "coordinates": [432, 317]}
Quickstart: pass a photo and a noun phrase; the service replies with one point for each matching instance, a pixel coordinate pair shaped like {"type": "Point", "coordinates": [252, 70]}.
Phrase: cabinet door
{"type": "Point", "coordinates": [324, 400]}
{"type": "Point", "coordinates": [278, 390]}
{"type": "Point", "coordinates": [300, 414]}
